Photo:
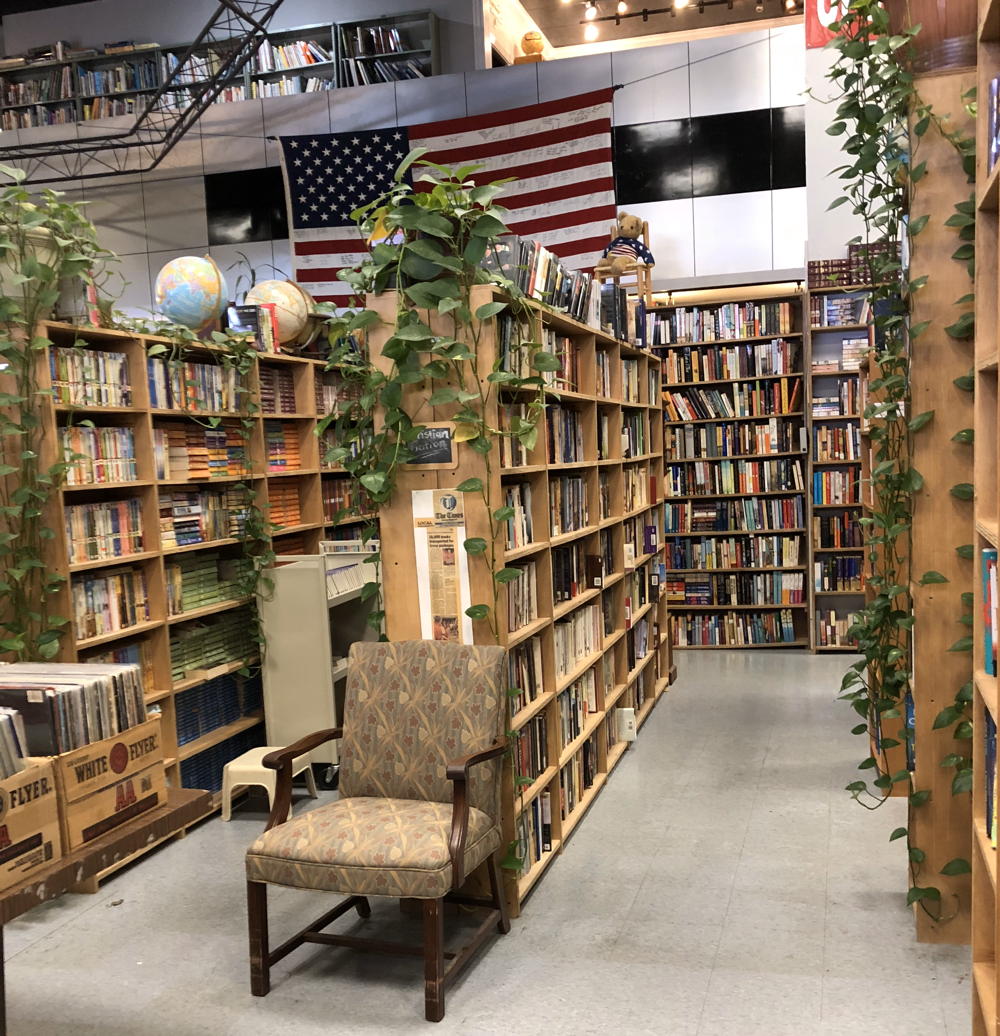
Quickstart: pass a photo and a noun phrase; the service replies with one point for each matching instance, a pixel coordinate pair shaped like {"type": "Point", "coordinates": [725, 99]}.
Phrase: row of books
{"type": "Point", "coordinates": [832, 627]}
{"type": "Point", "coordinates": [775, 435]}
{"type": "Point", "coordinates": [852, 354]}
{"type": "Point", "coordinates": [13, 742]}
{"type": "Point", "coordinates": [196, 68]}
{"type": "Point", "coordinates": [839, 573]}
{"type": "Point", "coordinates": [565, 435]}
{"type": "Point", "coordinates": [630, 380]}
{"type": "Point", "coordinates": [574, 571]}
{"type": "Point", "coordinates": [27, 118]}
{"type": "Point", "coordinates": [752, 514]}
{"type": "Point", "coordinates": [767, 588]}
{"type": "Point", "coordinates": [639, 537]}
{"type": "Point", "coordinates": [577, 776]}
{"type": "Point", "coordinates": [332, 391]}
{"type": "Point", "coordinates": [273, 57]}
{"type": "Point", "coordinates": [107, 529]}
{"type": "Point", "coordinates": [701, 478]}
{"type": "Point", "coordinates": [210, 642]}
{"type": "Point", "coordinates": [340, 496]}
{"type": "Point", "coordinates": [833, 442]}
{"type": "Point", "coordinates": [108, 601]}
{"type": "Point", "coordinates": [98, 455]}
{"type": "Point", "coordinates": [618, 315]}
{"type": "Point", "coordinates": [733, 629]}
{"type": "Point", "coordinates": [519, 527]}
{"type": "Point", "coordinates": [291, 85]}
{"type": "Point", "coordinates": [638, 643]}
{"type": "Point", "coordinates": [199, 454]}
{"type": "Point", "coordinates": [285, 507]}
{"type": "Point", "coordinates": [988, 577]}
{"type": "Point", "coordinates": [576, 637]}
{"type": "Point", "coordinates": [137, 652]}
{"type": "Point", "coordinates": [839, 310]}
{"type": "Point", "coordinates": [635, 487]}
{"type": "Point", "coordinates": [837, 530]}
{"type": "Point", "coordinates": [281, 446]}
{"type": "Point", "coordinates": [575, 704]}
{"type": "Point", "coordinates": [513, 417]}
{"type": "Point", "coordinates": [568, 510]}
{"type": "Point", "coordinates": [89, 377]}
{"type": "Point", "coordinates": [754, 399]}
{"type": "Point", "coordinates": [726, 322]}
{"type": "Point", "coordinates": [735, 552]}
{"type": "Point", "coordinates": [534, 831]}
{"type": "Point", "coordinates": [530, 750]}
{"type": "Point", "coordinates": [277, 390]}
{"type": "Point", "coordinates": [123, 78]}
{"type": "Point", "coordinates": [633, 434]}
{"type": "Point", "coordinates": [524, 673]}
{"type": "Point", "coordinates": [522, 597]}
{"type": "Point", "coordinates": [204, 770]}
{"type": "Point", "coordinates": [602, 369]}
{"type": "Point", "coordinates": [216, 703]}
{"type": "Point", "coordinates": [641, 586]}
{"type": "Point", "coordinates": [56, 86]}
{"type": "Point", "coordinates": [844, 404]}
{"type": "Point", "coordinates": [189, 516]}
{"type": "Point", "coordinates": [343, 579]}
{"type": "Point", "coordinates": [195, 387]}
{"type": "Point", "coordinates": [749, 360]}
{"type": "Point", "coordinates": [67, 705]}
{"type": "Point", "coordinates": [367, 40]}
{"type": "Point", "coordinates": [258, 322]}
{"type": "Point", "coordinates": [539, 274]}
{"type": "Point", "coordinates": [853, 270]}
{"type": "Point", "coordinates": [835, 487]}
{"type": "Point", "coordinates": [105, 107]}
{"type": "Point", "coordinates": [203, 579]}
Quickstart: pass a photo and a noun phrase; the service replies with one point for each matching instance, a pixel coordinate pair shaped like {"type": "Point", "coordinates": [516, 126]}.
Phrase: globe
{"type": "Point", "coordinates": [191, 291]}
{"type": "Point", "coordinates": [292, 306]}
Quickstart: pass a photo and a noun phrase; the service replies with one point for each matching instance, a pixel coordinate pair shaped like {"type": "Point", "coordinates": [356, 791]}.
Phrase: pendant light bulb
{"type": "Point", "coordinates": [590, 33]}
{"type": "Point", "coordinates": [790, 5]}
{"type": "Point", "coordinates": [591, 13]}
{"type": "Point", "coordinates": [622, 7]}
{"type": "Point", "coordinates": [759, 8]}
{"type": "Point", "coordinates": [679, 5]}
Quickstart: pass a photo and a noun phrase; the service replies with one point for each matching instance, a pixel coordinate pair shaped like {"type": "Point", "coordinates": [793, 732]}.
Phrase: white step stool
{"type": "Point", "coordinates": [249, 768]}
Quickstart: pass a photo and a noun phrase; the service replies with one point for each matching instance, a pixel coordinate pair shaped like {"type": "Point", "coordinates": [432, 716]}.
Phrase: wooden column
{"type": "Point", "coordinates": [941, 827]}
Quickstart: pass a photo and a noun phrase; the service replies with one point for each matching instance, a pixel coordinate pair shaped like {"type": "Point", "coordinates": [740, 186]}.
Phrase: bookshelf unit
{"type": "Point", "coordinates": [839, 339]}
{"type": "Point", "coordinates": [305, 59]}
{"type": "Point", "coordinates": [167, 476]}
{"type": "Point", "coordinates": [736, 468]}
{"type": "Point", "coordinates": [585, 650]}
{"type": "Point", "coordinates": [985, 698]}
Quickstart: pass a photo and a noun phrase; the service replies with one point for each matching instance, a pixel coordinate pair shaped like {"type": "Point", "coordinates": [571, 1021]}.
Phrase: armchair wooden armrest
{"type": "Point", "coordinates": [458, 774]}
{"type": "Point", "coordinates": [281, 760]}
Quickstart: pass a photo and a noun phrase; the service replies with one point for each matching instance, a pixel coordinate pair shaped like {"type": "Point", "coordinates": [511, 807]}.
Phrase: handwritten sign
{"type": "Point", "coordinates": [434, 446]}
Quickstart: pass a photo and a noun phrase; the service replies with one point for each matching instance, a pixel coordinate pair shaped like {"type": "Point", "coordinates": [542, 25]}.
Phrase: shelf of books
{"type": "Point", "coordinates": [63, 83]}
{"type": "Point", "coordinates": [162, 469]}
{"type": "Point", "coordinates": [839, 340]}
{"type": "Point", "coordinates": [735, 465]}
{"type": "Point", "coordinates": [585, 617]}
{"type": "Point", "coordinates": [985, 702]}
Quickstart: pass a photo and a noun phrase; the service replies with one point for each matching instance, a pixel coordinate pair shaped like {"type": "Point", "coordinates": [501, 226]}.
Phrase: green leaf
{"type": "Point", "coordinates": [965, 382]}
{"type": "Point", "coordinates": [867, 764]}
{"type": "Point", "coordinates": [965, 551]}
{"type": "Point", "coordinates": [963, 732]}
{"type": "Point", "coordinates": [374, 481]}
{"type": "Point", "coordinates": [503, 514]}
{"type": "Point", "coordinates": [966, 435]}
{"type": "Point", "coordinates": [470, 485]}
{"type": "Point", "coordinates": [543, 361]}
{"type": "Point", "coordinates": [948, 715]}
{"type": "Point", "coordinates": [918, 798]}
{"type": "Point", "coordinates": [416, 154]}
{"type": "Point", "coordinates": [442, 396]}
{"type": "Point", "coordinates": [835, 129]}
{"type": "Point", "coordinates": [861, 728]}
{"type": "Point", "coordinates": [962, 782]}
{"type": "Point", "coordinates": [916, 894]}
{"type": "Point", "coordinates": [920, 420]}
{"type": "Point", "coordinates": [508, 575]}
{"type": "Point", "coordinates": [932, 576]}
{"type": "Point", "coordinates": [475, 545]}
{"type": "Point", "coordinates": [488, 226]}
{"type": "Point", "coordinates": [478, 611]}
{"type": "Point", "coordinates": [963, 490]}
{"type": "Point", "coordinates": [369, 590]}
{"type": "Point", "coordinates": [916, 855]}
{"type": "Point", "coordinates": [956, 866]}
{"type": "Point", "coordinates": [490, 309]}
{"type": "Point", "coordinates": [962, 644]}
{"type": "Point", "coordinates": [900, 832]}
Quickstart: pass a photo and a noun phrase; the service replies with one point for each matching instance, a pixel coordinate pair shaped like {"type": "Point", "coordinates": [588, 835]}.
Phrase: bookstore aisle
{"type": "Point", "coordinates": [754, 898]}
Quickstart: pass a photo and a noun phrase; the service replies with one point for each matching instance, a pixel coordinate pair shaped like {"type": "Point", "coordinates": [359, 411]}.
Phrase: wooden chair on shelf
{"type": "Point", "coordinates": [418, 810]}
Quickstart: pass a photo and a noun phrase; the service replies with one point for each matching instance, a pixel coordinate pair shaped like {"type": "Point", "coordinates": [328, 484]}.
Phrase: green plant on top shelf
{"type": "Point", "coordinates": [882, 117]}
{"type": "Point", "coordinates": [432, 240]}
{"type": "Point", "coordinates": [47, 245]}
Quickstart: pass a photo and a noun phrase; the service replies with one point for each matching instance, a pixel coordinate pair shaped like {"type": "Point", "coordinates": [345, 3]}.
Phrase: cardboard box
{"type": "Point", "coordinates": [29, 822]}
{"type": "Point", "coordinates": [106, 784]}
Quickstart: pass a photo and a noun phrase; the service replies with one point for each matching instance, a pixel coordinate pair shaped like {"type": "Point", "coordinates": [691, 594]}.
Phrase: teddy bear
{"type": "Point", "coordinates": [626, 251]}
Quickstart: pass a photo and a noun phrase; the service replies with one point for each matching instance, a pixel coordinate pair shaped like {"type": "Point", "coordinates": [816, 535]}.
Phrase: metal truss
{"type": "Point", "coordinates": [233, 34]}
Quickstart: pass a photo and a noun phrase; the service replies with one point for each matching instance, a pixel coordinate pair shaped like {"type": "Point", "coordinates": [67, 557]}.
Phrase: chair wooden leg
{"type": "Point", "coordinates": [364, 908]}
{"type": "Point", "coordinates": [433, 960]}
{"type": "Point", "coordinates": [499, 899]}
{"type": "Point", "coordinates": [260, 972]}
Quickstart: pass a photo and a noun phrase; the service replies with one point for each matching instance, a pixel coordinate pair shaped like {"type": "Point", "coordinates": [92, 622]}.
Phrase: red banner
{"type": "Point", "coordinates": [820, 15]}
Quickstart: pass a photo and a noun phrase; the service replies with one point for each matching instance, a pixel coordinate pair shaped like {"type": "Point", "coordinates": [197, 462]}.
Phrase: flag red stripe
{"type": "Point", "coordinates": [590, 244]}
{"type": "Point", "coordinates": [530, 111]}
{"type": "Point", "coordinates": [531, 227]}
{"type": "Point", "coordinates": [355, 244]}
{"type": "Point", "coordinates": [505, 147]}
{"type": "Point", "coordinates": [319, 273]}
{"type": "Point", "coordinates": [551, 165]}
{"type": "Point", "coordinates": [550, 194]}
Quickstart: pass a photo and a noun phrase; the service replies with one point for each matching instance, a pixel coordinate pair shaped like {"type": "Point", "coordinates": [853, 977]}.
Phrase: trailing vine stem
{"type": "Point", "coordinates": [878, 104]}
{"type": "Point", "coordinates": [432, 245]}
{"type": "Point", "coordinates": [46, 245]}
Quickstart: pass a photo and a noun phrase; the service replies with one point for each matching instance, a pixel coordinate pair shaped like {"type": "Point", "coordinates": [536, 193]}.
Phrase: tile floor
{"type": "Point", "coordinates": [722, 885]}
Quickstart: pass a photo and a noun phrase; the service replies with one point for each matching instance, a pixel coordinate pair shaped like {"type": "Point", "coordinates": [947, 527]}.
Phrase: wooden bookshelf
{"type": "Point", "coordinates": [837, 336]}
{"type": "Point", "coordinates": [735, 398]}
{"type": "Point", "coordinates": [985, 707]}
{"type": "Point", "coordinates": [628, 662]}
{"type": "Point", "coordinates": [202, 728]}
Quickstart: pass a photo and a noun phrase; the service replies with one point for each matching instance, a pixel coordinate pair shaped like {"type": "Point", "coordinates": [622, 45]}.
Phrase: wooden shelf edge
{"type": "Point", "coordinates": [586, 801]}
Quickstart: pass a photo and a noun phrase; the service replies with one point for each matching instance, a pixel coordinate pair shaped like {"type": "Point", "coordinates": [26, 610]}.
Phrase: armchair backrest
{"type": "Point", "coordinates": [413, 707]}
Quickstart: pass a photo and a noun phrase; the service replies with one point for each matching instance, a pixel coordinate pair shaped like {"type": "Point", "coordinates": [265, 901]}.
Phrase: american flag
{"type": "Point", "coordinates": [560, 152]}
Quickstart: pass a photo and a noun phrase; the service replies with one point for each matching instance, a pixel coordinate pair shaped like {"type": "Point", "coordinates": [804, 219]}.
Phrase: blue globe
{"type": "Point", "coordinates": [191, 291]}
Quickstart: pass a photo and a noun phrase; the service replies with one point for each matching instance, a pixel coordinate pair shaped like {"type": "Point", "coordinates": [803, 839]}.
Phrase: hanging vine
{"type": "Point", "coordinates": [878, 104]}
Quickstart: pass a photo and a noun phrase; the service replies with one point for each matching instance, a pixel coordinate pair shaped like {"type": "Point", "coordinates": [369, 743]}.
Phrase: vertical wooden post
{"type": "Point", "coordinates": [941, 827]}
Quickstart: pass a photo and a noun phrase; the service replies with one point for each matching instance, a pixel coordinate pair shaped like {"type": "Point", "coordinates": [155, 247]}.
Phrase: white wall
{"type": "Point", "coordinates": [179, 21]}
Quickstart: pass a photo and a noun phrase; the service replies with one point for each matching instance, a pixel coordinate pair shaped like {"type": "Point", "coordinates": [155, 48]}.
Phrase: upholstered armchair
{"type": "Point", "coordinates": [418, 810]}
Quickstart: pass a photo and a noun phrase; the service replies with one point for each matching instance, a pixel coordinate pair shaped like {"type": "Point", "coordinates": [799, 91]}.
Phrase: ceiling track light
{"type": "Point", "coordinates": [590, 33]}
{"type": "Point", "coordinates": [590, 12]}
{"type": "Point", "coordinates": [622, 7]}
